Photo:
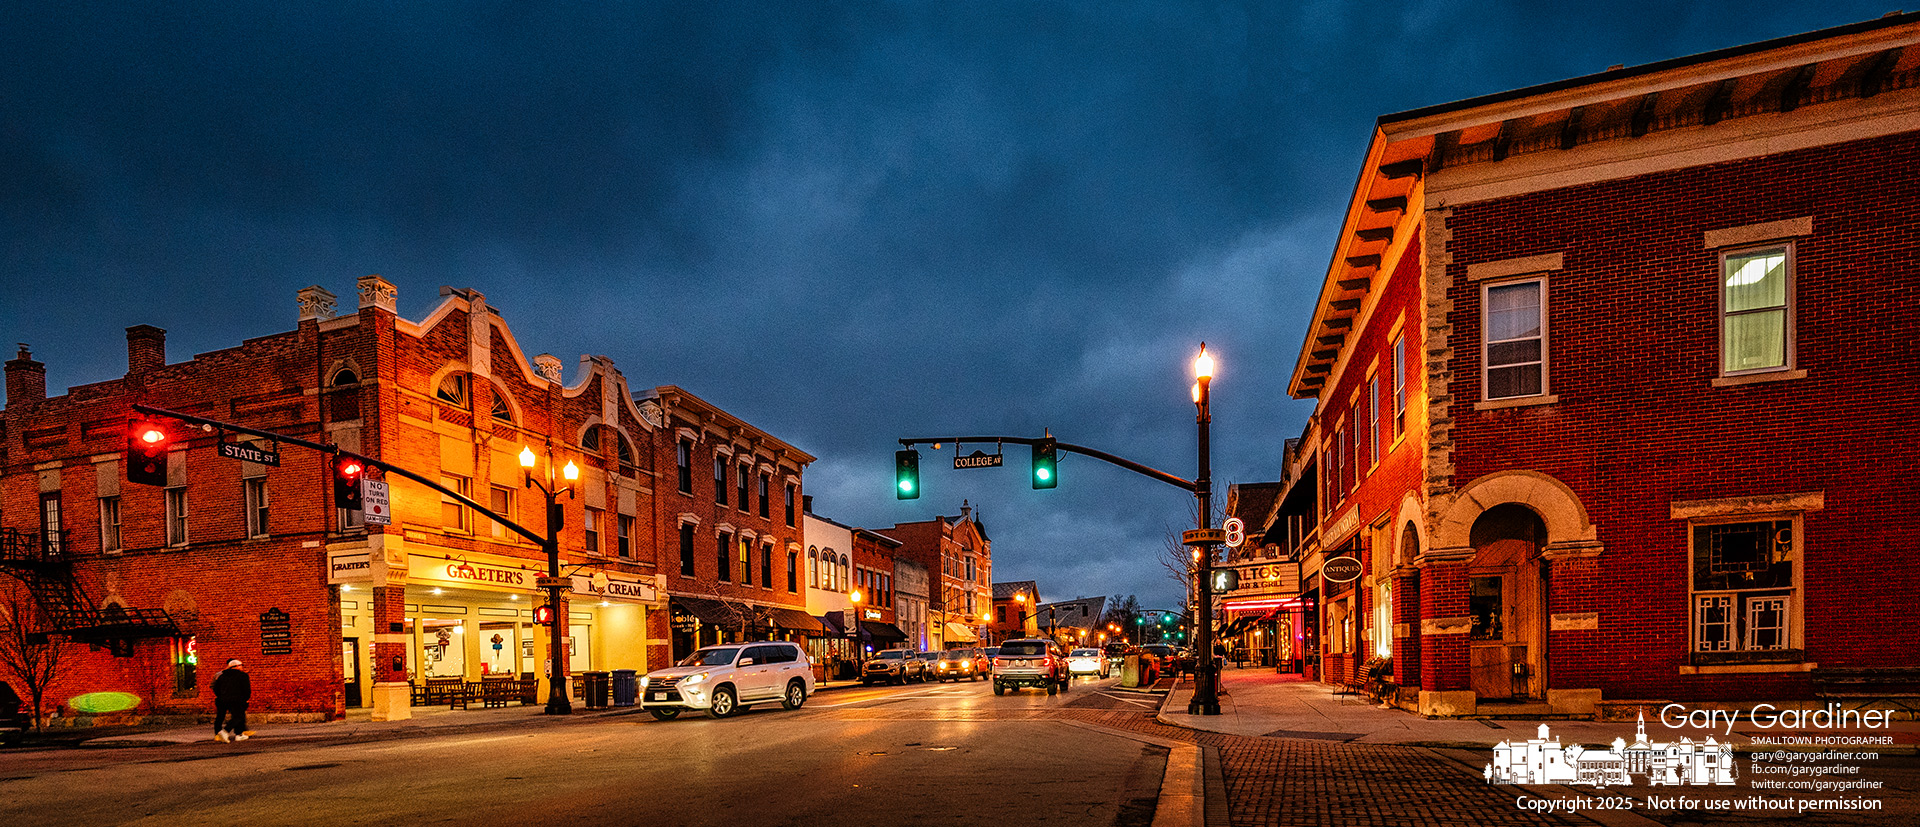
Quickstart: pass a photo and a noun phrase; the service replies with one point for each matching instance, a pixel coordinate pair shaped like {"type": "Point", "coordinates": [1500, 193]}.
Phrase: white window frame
{"type": "Point", "coordinates": [1738, 605]}
{"type": "Point", "coordinates": [255, 497]}
{"type": "Point", "coordinates": [464, 487]}
{"type": "Point", "coordinates": [1789, 353]}
{"type": "Point", "coordinates": [1487, 342]}
{"type": "Point", "coordinates": [1374, 446]}
{"type": "Point", "coordinates": [505, 509]}
{"type": "Point", "coordinates": [177, 528]}
{"type": "Point", "coordinates": [590, 528]}
{"type": "Point", "coordinates": [1398, 350]}
{"type": "Point", "coordinates": [110, 539]}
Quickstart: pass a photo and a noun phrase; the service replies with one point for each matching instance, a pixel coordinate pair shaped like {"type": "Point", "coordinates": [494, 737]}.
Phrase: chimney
{"type": "Point", "coordinates": [146, 349]}
{"type": "Point", "coordinates": [806, 503]}
{"type": "Point", "coordinates": [26, 379]}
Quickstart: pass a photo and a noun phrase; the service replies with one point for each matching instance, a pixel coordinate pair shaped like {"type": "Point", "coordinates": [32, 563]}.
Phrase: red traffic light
{"type": "Point", "coordinates": [147, 446]}
{"type": "Point", "coordinates": [346, 482]}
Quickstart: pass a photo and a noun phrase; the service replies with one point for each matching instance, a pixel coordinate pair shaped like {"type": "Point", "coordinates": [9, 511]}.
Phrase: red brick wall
{"type": "Point", "coordinates": [1633, 339]}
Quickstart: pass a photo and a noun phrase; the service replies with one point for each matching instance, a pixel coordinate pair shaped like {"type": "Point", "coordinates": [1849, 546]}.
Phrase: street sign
{"type": "Point", "coordinates": [1203, 537]}
{"type": "Point", "coordinates": [373, 502]}
{"type": "Point", "coordinates": [977, 459]}
{"type": "Point", "coordinates": [1340, 570]}
{"type": "Point", "coordinates": [249, 453]}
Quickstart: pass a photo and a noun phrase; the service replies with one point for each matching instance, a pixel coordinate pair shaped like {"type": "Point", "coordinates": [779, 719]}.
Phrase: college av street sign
{"type": "Point", "coordinates": [977, 459]}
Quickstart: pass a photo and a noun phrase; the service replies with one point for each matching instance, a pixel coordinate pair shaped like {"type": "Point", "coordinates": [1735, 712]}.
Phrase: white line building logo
{"type": "Point", "coordinates": [1544, 761]}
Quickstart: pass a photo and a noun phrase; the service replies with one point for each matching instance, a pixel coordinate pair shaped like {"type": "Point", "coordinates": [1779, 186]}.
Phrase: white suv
{"type": "Point", "coordinates": [722, 680]}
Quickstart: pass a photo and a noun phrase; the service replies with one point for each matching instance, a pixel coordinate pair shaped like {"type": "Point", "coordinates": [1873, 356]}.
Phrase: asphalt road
{"type": "Point", "coordinates": [948, 754]}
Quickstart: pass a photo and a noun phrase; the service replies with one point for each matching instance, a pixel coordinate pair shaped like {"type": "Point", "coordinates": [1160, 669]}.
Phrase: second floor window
{"type": "Point", "coordinates": [1756, 322]}
{"type": "Point", "coordinates": [793, 572]}
{"type": "Point", "coordinates": [720, 480]}
{"type": "Point", "coordinates": [1399, 355]}
{"type": "Point", "coordinates": [592, 526]}
{"type": "Point", "coordinates": [1515, 347]}
{"type": "Point", "coordinates": [110, 524]}
{"type": "Point", "coordinates": [745, 479]}
{"type": "Point", "coordinates": [686, 549]}
{"type": "Point", "coordinates": [50, 525]}
{"type": "Point", "coordinates": [453, 515]}
{"type": "Point", "coordinates": [256, 504]}
{"type": "Point", "coordinates": [724, 559]}
{"type": "Point", "coordinates": [790, 499]}
{"type": "Point", "coordinates": [765, 483]}
{"type": "Point", "coordinates": [501, 502]}
{"type": "Point", "coordinates": [766, 566]}
{"type": "Point", "coordinates": [177, 516]}
{"type": "Point", "coordinates": [625, 529]}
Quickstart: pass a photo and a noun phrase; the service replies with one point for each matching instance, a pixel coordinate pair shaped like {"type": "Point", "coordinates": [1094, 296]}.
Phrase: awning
{"type": "Point", "coordinates": [708, 611]}
{"type": "Point", "coordinates": [957, 633]}
{"type": "Point", "coordinates": [794, 620]}
{"type": "Point", "coordinates": [876, 631]}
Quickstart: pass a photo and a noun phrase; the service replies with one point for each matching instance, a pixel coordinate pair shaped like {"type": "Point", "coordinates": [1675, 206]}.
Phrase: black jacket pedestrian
{"type": "Point", "coordinates": [232, 687]}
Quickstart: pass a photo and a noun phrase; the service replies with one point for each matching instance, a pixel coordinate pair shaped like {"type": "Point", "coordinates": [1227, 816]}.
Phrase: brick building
{"type": "Point", "coordinates": [1013, 616]}
{"type": "Point", "coordinates": [731, 555]}
{"type": "Point", "coordinates": [958, 558]}
{"type": "Point", "coordinates": [1610, 377]}
{"type": "Point", "coordinates": [242, 556]}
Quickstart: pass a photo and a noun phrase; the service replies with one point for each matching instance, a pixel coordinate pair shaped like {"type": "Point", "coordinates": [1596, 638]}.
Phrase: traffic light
{"type": "Point", "coordinates": [906, 474]}
{"type": "Point", "coordinates": [347, 472]}
{"type": "Point", "coordinates": [543, 615]}
{"type": "Point", "coordinates": [147, 445]}
{"type": "Point", "coordinates": [1045, 475]}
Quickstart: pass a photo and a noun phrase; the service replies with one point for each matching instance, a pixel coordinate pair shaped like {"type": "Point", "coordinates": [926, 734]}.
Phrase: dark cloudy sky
{"type": "Point", "coordinates": [844, 222]}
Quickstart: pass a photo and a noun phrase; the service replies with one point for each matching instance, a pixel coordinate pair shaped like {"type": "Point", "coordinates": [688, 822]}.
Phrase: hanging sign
{"type": "Point", "coordinates": [1236, 531]}
{"type": "Point", "coordinates": [250, 453]}
{"type": "Point", "coordinates": [977, 459]}
{"type": "Point", "coordinates": [1340, 570]}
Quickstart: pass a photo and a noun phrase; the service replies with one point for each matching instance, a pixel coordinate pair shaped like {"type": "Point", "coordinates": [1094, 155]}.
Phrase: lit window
{"type": "Point", "coordinates": [592, 525]}
{"type": "Point", "coordinates": [1756, 322]}
{"type": "Point", "coordinates": [1399, 350]}
{"type": "Point", "coordinates": [501, 503]}
{"type": "Point", "coordinates": [1515, 341]}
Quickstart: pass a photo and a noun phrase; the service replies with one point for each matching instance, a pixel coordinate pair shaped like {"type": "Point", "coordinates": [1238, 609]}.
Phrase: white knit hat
{"type": "Point", "coordinates": [234, 662]}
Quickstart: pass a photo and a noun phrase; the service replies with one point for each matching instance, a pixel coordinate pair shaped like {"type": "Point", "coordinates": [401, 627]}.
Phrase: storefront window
{"type": "Point", "coordinates": [443, 648]}
{"type": "Point", "coordinates": [186, 666]}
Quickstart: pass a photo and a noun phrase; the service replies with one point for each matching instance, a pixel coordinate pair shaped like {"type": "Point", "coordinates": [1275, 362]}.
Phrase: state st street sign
{"type": "Point", "coordinates": [250, 453]}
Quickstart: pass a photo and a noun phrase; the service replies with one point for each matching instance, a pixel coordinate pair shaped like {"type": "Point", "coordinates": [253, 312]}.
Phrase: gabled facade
{"type": "Point", "coordinates": [1609, 376]}
{"type": "Point", "coordinates": [958, 558]}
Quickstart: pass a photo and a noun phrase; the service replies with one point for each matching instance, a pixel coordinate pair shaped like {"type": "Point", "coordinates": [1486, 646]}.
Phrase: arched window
{"type": "Point", "coordinates": [591, 439]}
{"type": "Point", "coordinates": [345, 376]}
{"type": "Point", "coordinates": [813, 568]}
{"type": "Point", "coordinates": [453, 389]}
{"type": "Point", "coordinates": [845, 571]}
{"type": "Point", "coordinates": [622, 451]}
{"type": "Point", "coordinates": [500, 410]}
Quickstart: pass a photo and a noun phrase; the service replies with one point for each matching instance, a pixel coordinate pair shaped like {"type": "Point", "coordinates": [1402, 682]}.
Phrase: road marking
{"type": "Point", "coordinates": [898, 694]}
{"type": "Point", "coordinates": [1135, 701]}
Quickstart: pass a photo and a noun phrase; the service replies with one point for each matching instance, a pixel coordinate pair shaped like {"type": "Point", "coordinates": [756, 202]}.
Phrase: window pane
{"type": "Point", "coordinates": [1520, 380]}
{"type": "Point", "coordinates": [1508, 353]}
{"type": "Point", "coordinates": [1755, 341]}
{"type": "Point", "coordinates": [1756, 280]}
{"type": "Point", "coordinates": [1513, 311]}
{"type": "Point", "coordinates": [1713, 623]}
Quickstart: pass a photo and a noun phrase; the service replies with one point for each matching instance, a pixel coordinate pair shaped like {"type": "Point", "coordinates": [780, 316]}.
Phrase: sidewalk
{"type": "Point", "coordinates": [1258, 702]}
{"type": "Point", "coordinates": [359, 722]}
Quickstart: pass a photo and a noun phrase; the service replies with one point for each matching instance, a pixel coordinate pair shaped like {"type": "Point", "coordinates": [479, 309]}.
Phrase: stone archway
{"type": "Point", "coordinates": [1569, 531]}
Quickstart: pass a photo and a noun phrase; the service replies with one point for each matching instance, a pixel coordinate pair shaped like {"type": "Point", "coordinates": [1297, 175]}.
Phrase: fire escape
{"type": "Point", "coordinates": [41, 562]}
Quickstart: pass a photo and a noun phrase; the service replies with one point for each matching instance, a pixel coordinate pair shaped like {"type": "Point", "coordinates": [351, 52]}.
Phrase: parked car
{"type": "Point", "coordinates": [1087, 662]}
{"type": "Point", "coordinates": [961, 664]}
{"type": "Point", "coordinates": [895, 666]}
{"type": "Point", "coordinates": [13, 716]}
{"type": "Point", "coordinates": [722, 680]}
{"type": "Point", "coordinates": [929, 665]}
{"type": "Point", "coordinates": [1030, 662]}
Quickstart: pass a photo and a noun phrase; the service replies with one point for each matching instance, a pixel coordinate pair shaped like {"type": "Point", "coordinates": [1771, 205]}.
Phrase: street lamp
{"type": "Point", "coordinates": [1206, 684]}
{"type": "Point", "coordinates": [859, 642]}
{"type": "Point", "coordinates": [557, 701]}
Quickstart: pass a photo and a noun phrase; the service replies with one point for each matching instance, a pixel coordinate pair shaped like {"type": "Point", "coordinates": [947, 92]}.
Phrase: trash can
{"type": "Point", "coordinates": [595, 688]}
{"type": "Point", "coordinates": [626, 687]}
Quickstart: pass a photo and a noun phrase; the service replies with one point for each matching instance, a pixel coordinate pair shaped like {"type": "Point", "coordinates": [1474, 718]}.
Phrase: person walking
{"type": "Point", "coordinates": [231, 691]}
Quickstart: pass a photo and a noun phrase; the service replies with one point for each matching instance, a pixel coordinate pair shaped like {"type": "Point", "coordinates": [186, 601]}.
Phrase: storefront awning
{"type": "Point", "coordinates": [794, 620]}
{"type": "Point", "coordinates": [877, 631]}
{"type": "Point", "coordinates": [957, 633]}
{"type": "Point", "coordinates": [708, 611]}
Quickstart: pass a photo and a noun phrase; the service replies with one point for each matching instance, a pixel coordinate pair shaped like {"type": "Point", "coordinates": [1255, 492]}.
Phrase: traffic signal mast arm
{"type": "Point", "coordinates": [335, 449]}
{"type": "Point", "coordinates": [1130, 465]}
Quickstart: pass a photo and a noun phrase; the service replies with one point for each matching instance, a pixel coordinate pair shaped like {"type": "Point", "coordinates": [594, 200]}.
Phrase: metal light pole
{"type": "Point", "coordinates": [1206, 684]}
{"type": "Point", "coordinates": [557, 701]}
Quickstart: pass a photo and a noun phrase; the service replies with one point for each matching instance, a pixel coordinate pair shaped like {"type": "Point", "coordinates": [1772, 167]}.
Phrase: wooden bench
{"type": "Point", "coordinates": [497, 691]}
{"type": "Point", "coordinates": [450, 691]}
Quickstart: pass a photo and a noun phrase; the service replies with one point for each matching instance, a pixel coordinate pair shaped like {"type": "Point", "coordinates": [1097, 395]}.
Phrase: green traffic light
{"type": "Point", "coordinates": [906, 474]}
{"type": "Point", "coordinates": [1043, 474]}
{"type": "Point", "coordinates": [1045, 455]}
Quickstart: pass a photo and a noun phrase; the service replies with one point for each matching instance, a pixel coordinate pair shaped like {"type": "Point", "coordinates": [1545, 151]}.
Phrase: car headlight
{"type": "Point", "coordinates": [966, 664]}
{"type": "Point", "coordinates": [643, 681]}
{"type": "Point", "coordinates": [693, 678]}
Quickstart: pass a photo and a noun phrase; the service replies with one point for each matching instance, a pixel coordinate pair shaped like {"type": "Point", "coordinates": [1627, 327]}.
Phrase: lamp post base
{"type": "Point", "coordinates": [1199, 707]}
{"type": "Point", "coordinates": [561, 705]}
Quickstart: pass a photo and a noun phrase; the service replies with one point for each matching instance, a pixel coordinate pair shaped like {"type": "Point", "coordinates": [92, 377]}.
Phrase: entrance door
{"type": "Point", "coordinates": [350, 669]}
{"type": "Point", "coordinates": [1506, 599]}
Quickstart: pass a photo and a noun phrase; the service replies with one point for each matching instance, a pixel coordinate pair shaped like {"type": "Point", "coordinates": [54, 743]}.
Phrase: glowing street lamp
{"type": "Point", "coordinates": [1206, 684]}
{"type": "Point", "coordinates": [557, 701]}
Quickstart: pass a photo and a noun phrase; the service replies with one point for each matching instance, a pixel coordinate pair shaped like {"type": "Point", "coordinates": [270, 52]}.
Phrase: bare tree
{"type": "Point", "coordinates": [742, 615]}
{"type": "Point", "coordinates": [28, 654]}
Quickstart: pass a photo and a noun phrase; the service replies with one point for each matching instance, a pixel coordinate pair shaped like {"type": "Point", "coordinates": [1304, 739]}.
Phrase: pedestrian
{"type": "Point", "coordinates": [231, 691]}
